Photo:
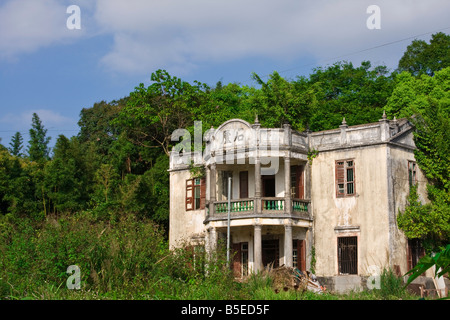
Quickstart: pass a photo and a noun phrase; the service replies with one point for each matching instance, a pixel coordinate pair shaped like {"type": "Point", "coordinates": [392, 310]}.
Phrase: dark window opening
{"type": "Point", "coordinates": [243, 184]}
{"type": "Point", "coordinates": [270, 253]}
{"type": "Point", "coordinates": [415, 252]}
{"type": "Point", "coordinates": [412, 171]}
{"type": "Point", "coordinates": [348, 255]}
{"type": "Point", "coordinates": [268, 186]}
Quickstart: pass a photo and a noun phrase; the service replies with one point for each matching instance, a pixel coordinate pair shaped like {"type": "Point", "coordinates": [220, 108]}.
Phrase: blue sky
{"type": "Point", "coordinates": [47, 68]}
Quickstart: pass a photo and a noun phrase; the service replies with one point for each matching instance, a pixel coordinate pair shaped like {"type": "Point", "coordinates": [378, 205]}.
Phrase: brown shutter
{"type": "Point", "coordinates": [301, 255]}
{"type": "Point", "coordinates": [202, 193]}
{"type": "Point", "coordinates": [340, 178]}
{"type": "Point", "coordinates": [189, 194]}
{"type": "Point", "coordinates": [243, 184]}
{"type": "Point", "coordinates": [236, 259]}
{"type": "Point", "coordinates": [300, 184]}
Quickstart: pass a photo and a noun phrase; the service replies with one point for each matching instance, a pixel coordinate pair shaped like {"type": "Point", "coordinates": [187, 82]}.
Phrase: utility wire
{"type": "Point", "coordinates": [356, 52]}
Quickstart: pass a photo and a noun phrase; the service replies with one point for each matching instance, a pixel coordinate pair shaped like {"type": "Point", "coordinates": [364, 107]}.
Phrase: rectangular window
{"type": "Point", "coordinates": [348, 255]}
{"type": "Point", "coordinates": [195, 193]}
{"type": "Point", "coordinates": [297, 183]}
{"type": "Point", "coordinates": [197, 189]}
{"type": "Point", "coordinates": [225, 176]}
{"type": "Point", "coordinates": [412, 177]}
{"type": "Point", "coordinates": [345, 178]}
{"type": "Point", "coordinates": [240, 259]}
{"type": "Point", "coordinates": [299, 255]}
{"type": "Point", "coordinates": [415, 252]}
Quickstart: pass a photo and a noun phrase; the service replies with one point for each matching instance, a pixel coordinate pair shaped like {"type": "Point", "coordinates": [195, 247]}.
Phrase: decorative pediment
{"type": "Point", "coordinates": [234, 133]}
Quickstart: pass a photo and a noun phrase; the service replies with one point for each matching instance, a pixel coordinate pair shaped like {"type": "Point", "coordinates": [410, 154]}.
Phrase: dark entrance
{"type": "Point", "coordinates": [348, 255]}
{"type": "Point", "coordinates": [270, 252]}
{"type": "Point", "coordinates": [268, 184]}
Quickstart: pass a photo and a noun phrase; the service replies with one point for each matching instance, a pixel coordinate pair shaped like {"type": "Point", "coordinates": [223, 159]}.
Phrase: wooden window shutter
{"type": "Point", "coordinates": [300, 192]}
{"type": "Point", "coordinates": [340, 178]}
{"type": "Point", "coordinates": [236, 265]}
{"type": "Point", "coordinates": [189, 194]}
{"type": "Point", "coordinates": [301, 255]}
{"type": "Point", "coordinates": [202, 193]}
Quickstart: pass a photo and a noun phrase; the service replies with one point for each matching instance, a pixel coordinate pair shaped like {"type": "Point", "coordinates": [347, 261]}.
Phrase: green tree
{"type": "Point", "coordinates": [66, 178]}
{"type": "Point", "coordinates": [96, 126]}
{"type": "Point", "coordinates": [423, 58]}
{"type": "Point", "coordinates": [16, 145]}
{"type": "Point", "coordinates": [38, 145]}
{"type": "Point", "coordinates": [341, 90]}
{"type": "Point", "coordinates": [431, 221]}
{"type": "Point", "coordinates": [4, 179]}
{"type": "Point", "coordinates": [18, 185]}
{"type": "Point", "coordinates": [413, 95]}
{"type": "Point", "coordinates": [280, 103]}
{"type": "Point", "coordinates": [154, 112]}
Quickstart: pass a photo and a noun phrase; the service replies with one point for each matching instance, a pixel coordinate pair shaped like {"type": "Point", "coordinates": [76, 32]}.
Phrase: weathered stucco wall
{"type": "Point", "coordinates": [364, 215]}
{"type": "Point", "coordinates": [183, 224]}
{"type": "Point", "coordinates": [400, 191]}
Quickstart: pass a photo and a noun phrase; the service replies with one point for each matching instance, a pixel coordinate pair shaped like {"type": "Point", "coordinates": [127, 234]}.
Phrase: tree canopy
{"type": "Point", "coordinates": [117, 164]}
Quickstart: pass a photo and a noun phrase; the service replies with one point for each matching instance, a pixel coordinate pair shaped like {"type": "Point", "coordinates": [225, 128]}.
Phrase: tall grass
{"type": "Point", "coordinates": [128, 258]}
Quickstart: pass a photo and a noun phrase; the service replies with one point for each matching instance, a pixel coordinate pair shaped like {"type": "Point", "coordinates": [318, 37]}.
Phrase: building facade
{"type": "Point", "coordinates": [326, 201]}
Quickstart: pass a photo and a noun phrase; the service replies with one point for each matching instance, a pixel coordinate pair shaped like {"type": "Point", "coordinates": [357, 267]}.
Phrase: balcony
{"type": "Point", "coordinates": [270, 207]}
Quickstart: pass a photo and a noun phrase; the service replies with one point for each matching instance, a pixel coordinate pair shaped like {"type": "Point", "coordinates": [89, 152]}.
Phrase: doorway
{"type": "Point", "coordinates": [270, 253]}
{"type": "Point", "coordinates": [268, 184]}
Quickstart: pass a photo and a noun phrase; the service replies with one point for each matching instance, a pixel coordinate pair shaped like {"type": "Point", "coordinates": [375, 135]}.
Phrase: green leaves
{"type": "Point", "coordinates": [153, 113]}
{"type": "Point", "coordinates": [38, 145]}
{"type": "Point", "coordinates": [422, 58]}
{"type": "Point", "coordinates": [428, 98]}
{"type": "Point", "coordinates": [440, 260]}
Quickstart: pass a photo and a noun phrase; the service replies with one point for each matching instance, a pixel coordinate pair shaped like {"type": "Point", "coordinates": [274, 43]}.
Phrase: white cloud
{"type": "Point", "coordinates": [50, 119]}
{"type": "Point", "coordinates": [183, 34]}
{"type": "Point", "coordinates": [27, 25]}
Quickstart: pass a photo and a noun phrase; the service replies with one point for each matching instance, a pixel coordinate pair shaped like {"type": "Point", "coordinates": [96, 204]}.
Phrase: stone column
{"type": "Point", "coordinates": [384, 127]}
{"type": "Point", "coordinates": [287, 185]}
{"type": "Point", "coordinates": [257, 249]}
{"type": "Point", "coordinates": [258, 185]}
{"type": "Point", "coordinates": [212, 240]}
{"type": "Point", "coordinates": [288, 259]}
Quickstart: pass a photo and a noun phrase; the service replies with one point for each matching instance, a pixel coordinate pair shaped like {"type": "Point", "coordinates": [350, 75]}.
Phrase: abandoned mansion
{"type": "Point", "coordinates": [326, 201]}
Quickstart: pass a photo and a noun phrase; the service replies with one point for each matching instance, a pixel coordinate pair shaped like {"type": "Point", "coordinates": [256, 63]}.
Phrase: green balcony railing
{"type": "Point", "coordinates": [273, 204]}
{"type": "Point", "coordinates": [236, 206]}
{"type": "Point", "coordinates": [300, 206]}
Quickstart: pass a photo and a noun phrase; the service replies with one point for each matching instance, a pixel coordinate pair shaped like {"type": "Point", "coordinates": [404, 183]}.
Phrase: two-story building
{"type": "Point", "coordinates": [324, 200]}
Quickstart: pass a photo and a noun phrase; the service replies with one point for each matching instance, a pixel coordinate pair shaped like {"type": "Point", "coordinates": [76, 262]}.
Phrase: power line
{"type": "Point", "coordinates": [356, 52]}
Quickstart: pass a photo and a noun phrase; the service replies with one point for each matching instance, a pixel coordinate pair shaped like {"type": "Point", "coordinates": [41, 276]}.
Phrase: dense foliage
{"type": "Point", "coordinates": [430, 107]}
{"type": "Point", "coordinates": [101, 199]}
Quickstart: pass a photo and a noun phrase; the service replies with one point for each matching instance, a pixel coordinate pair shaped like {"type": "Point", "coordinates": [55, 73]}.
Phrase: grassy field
{"type": "Point", "coordinates": [128, 258]}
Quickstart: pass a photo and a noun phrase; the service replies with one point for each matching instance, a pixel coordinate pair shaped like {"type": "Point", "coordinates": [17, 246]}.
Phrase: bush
{"type": "Point", "coordinates": [111, 256]}
{"type": "Point", "coordinates": [391, 285]}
